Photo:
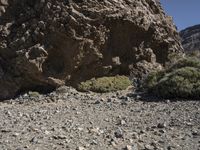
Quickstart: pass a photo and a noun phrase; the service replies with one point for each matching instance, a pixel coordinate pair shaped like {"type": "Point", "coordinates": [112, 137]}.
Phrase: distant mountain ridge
{"type": "Point", "coordinates": [190, 38]}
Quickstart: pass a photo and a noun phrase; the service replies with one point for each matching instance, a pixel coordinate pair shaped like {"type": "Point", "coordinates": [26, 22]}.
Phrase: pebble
{"type": "Point", "coordinates": [61, 137]}
{"type": "Point", "coordinates": [135, 135]}
{"type": "Point", "coordinates": [195, 133]}
{"type": "Point", "coordinates": [127, 98]}
{"type": "Point", "coordinates": [15, 134]}
{"type": "Point", "coordinates": [161, 125]}
{"type": "Point", "coordinates": [171, 148]}
{"type": "Point", "coordinates": [113, 143]}
{"type": "Point", "coordinates": [97, 102]}
{"type": "Point", "coordinates": [80, 148]}
{"type": "Point", "coordinates": [9, 113]}
{"type": "Point", "coordinates": [138, 97]}
{"type": "Point", "coordinates": [131, 147]}
{"type": "Point", "coordinates": [109, 100]}
{"type": "Point", "coordinates": [162, 131]}
{"type": "Point", "coordinates": [94, 142]}
{"type": "Point", "coordinates": [102, 99]}
{"type": "Point", "coordinates": [123, 122]}
{"type": "Point", "coordinates": [149, 147]}
{"type": "Point", "coordinates": [119, 133]}
{"type": "Point", "coordinates": [142, 131]}
{"type": "Point", "coordinates": [122, 97]}
{"type": "Point", "coordinates": [95, 130]}
{"type": "Point", "coordinates": [128, 147]}
{"type": "Point", "coordinates": [124, 102]}
{"type": "Point", "coordinates": [34, 140]}
{"type": "Point", "coordinates": [5, 130]}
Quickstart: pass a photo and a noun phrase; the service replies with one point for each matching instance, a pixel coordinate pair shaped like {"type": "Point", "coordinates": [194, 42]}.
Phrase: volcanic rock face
{"type": "Point", "coordinates": [47, 43]}
{"type": "Point", "coordinates": [191, 38]}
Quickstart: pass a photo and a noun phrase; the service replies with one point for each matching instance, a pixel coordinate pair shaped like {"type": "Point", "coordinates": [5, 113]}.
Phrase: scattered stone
{"type": "Point", "coordinates": [97, 102]}
{"type": "Point", "coordinates": [135, 135]}
{"type": "Point", "coordinates": [128, 147]}
{"type": "Point", "coordinates": [113, 143]}
{"type": "Point", "coordinates": [162, 131]}
{"type": "Point", "coordinates": [149, 147]}
{"type": "Point", "coordinates": [109, 100]}
{"type": "Point", "coordinates": [123, 122]}
{"type": "Point", "coordinates": [94, 142]}
{"type": "Point", "coordinates": [15, 134]}
{"type": "Point", "coordinates": [61, 137]}
{"type": "Point", "coordinates": [119, 133]}
{"type": "Point", "coordinates": [8, 113]}
{"type": "Point", "coordinates": [95, 130]}
{"type": "Point", "coordinates": [131, 147]}
{"type": "Point", "coordinates": [102, 99]}
{"type": "Point", "coordinates": [34, 140]}
{"type": "Point", "coordinates": [195, 133]}
{"type": "Point", "coordinates": [142, 131]}
{"type": "Point", "coordinates": [6, 130]}
{"type": "Point", "coordinates": [80, 148]}
{"type": "Point", "coordinates": [138, 97]}
{"type": "Point", "coordinates": [161, 125]}
{"type": "Point", "coordinates": [124, 102]}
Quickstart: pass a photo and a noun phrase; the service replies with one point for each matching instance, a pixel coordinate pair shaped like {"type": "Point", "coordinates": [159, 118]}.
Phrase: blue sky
{"type": "Point", "coordinates": [184, 12]}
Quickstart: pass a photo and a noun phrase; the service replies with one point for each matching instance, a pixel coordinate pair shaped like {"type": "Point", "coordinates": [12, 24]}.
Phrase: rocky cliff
{"type": "Point", "coordinates": [48, 43]}
{"type": "Point", "coordinates": [190, 38]}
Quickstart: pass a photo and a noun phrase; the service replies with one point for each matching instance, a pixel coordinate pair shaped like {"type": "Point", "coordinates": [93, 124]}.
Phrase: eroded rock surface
{"type": "Point", "coordinates": [47, 43]}
{"type": "Point", "coordinates": [191, 38]}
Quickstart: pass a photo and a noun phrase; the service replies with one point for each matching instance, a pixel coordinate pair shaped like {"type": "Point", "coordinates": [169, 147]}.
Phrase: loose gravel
{"type": "Point", "coordinates": [69, 120]}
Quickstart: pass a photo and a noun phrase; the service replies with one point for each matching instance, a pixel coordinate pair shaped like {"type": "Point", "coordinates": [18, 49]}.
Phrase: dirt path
{"type": "Point", "coordinates": [69, 120]}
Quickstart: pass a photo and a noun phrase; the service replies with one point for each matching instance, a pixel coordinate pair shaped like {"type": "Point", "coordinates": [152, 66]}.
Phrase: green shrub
{"type": "Point", "coordinates": [105, 84]}
{"type": "Point", "coordinates": [180, 80]}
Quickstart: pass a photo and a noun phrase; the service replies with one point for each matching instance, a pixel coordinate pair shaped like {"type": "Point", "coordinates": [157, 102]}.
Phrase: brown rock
{"type": "Point", "coordinates": [44, 44]}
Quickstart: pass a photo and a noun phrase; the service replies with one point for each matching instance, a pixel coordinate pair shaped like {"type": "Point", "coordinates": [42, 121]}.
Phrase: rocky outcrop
{"type": "Point", "coordinates": [190, 38]}
{"type": "Point", "coordinates": [48, 43]}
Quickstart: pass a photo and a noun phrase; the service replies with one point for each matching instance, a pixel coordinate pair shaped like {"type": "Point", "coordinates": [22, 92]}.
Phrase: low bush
{"type": "Point", "coordinates": [180, 80]}
{"type": "Point", "coordinates": [105, 84]}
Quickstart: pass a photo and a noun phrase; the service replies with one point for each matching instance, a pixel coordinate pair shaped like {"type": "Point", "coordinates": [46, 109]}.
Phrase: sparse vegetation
{"type": "Point", "coordinates": [105, 84]}
{"type": "Point", "coordinates": [180, 80]}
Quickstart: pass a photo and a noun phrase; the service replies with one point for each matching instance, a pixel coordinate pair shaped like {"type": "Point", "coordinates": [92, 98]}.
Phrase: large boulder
{"type": "Point", "coordinates": [48, 43]}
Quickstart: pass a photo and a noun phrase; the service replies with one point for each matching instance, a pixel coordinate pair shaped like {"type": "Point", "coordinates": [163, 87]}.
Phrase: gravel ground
{"type": "Point", "coordinates": [69, 120]}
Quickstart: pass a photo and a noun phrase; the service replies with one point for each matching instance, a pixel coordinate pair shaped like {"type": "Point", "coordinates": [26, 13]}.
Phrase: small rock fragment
{"type": "Point", "coordinates": [119, 133]}
{"type": "Point", "coordinates": [34, 140]}
{"type": "Point", "coordinates": [131, 147]}
{"type": "Point", "coordinates": [149, 147]}
{"type": "Point", "coordinates": [80, 148]}
{"type": "Point", "coordinates": [161, 125]}
{"type": "Point", "coordinates": [97, 102]}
